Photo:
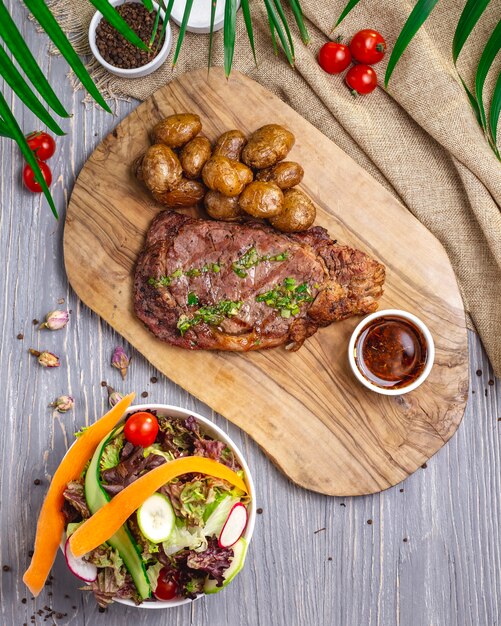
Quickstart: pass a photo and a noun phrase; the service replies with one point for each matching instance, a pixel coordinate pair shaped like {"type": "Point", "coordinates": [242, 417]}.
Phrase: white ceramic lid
{"type": "Point", "coordinates": [199, 20]}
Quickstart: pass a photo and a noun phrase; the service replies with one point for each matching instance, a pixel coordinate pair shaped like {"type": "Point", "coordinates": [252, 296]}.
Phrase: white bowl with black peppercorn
{"type": "Point", "coordinates": [123, 58]}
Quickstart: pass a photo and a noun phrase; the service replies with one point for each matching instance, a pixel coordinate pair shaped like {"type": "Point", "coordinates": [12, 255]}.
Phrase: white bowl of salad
{"type": "Point", "coordinates": [187, 539]}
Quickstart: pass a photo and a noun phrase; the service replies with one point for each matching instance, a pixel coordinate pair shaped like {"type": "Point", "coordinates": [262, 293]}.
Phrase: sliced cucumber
{"type": "Point", "coordinates": [239, 552]}
{"type": "Point", "coordinates": [122, 540]}
{"type": "Point", "coordinates": [156, 518]}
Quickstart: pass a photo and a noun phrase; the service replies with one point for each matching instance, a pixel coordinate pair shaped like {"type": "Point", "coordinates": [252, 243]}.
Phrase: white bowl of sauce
{"type": "Point", "coordinates": [391, 352]}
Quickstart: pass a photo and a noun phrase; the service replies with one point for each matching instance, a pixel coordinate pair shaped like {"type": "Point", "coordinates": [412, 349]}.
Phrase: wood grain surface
{"type": "Point", "coordinates": [321, 427]}
{"type": "Point", "coordinates": [447, 573]}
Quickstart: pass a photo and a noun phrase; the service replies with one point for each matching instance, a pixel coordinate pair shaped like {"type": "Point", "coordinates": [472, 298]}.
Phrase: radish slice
{"type": "Point", "coordinates": [82, 569]}
{"type": "Point", "coordinates": [234, 526]}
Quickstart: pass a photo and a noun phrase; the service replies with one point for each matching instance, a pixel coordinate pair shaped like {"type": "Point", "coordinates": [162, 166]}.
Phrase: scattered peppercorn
{"type": "Point", "coordinates": [260, 510]}
{"type": "Point", "coordinates": [424, 466]}
{"type": "Point", "coordinates": [101, 610]}
{"type": "Point", "coordinates": [36, 322]}
{"type": "Point", "coordinates": [485, 392]}
{"type": "Point", "coordinates": [473, 391]}
{"type": "Point", "coordinates": [104, 383]}
{"type": "Point", "coordinates": [405, 540]}
{"type": "Point", "coordinates": [369, 521]}
{"type": "Point", "coordinates": [116, 50]}
{"type": "Point", "coordinates": [402, 490]}
{"type": "Point", "coordinates": [329, 558]}
{"type": "Point", "coordinates": [144, 394]}
{"type": "Point", "coordinates": [491, 382]}
{"type": "Point", "coordinates": [479, 372]}
{"type": "Point", "coordinates": [37, 481]}
{"type": "Point", "coordinates": [154, 379]}
{"type": "Point", "coordinates": [342, 504]}
{"type": "Point", "coordinates": [6, 568]}
{"type": "Point", "coordinates": [23, 600]}
{"type": "Point", "coordinates": [20, 336]}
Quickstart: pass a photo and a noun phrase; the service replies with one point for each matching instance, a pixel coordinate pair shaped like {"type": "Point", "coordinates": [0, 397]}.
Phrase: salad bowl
{"type": "Point", "coordinates": [210, 429]}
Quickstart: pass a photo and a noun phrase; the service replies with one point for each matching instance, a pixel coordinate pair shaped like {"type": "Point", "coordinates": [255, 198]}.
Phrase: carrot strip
{"type": "Point", "coordinates": [105, 522]}
{"type": "Point", "coordinates": [50, 525]}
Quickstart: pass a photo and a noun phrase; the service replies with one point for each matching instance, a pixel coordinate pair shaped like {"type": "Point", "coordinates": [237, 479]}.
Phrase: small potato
{"type": "Point", "coordinates": [286, 174]}
{"type": "Point", "coordinates": [267, 146]}
{"type": "Point", "coordinates": [261, 199]}
{"type": "Point", "coordinates": [223, 175]}
{"type": "Point", "coordinates": [194, 156]}
{"type": "Point", "coordinates": [186, 193]}
{"type": "Point", "coordinates": [221, 207]}
{"type": "Point", "coordinates": [230, 144]}
{"type": "Point", "coordinates": [244, 173]}
{"type": "Point", "coordinates": [298, 213]}
{"type": "Point", "coordinates": [176, 130]}
{"type": "Point", "coordinates": [161, 169]}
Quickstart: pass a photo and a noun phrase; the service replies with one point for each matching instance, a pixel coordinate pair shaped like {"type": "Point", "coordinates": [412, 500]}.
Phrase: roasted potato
{"type": "Point", "coordinates": [262, 199]}
{"type": "Point", "coordinates": [267, 146]}
{"type": "Point", "coordinates": [298, 212]}
{"type": "Point", "coordinates": [223, 175]}
{"type": "Point", "coordinates": [161, 169]}
{"type": "Point", "coordinates": [285, 174]}
{"type": "Point", "coordinates": [176, 130]}
{"type": "Point", "coordinates": [186, 193]}
{"type": "Point", "coordinates": [222, 207]}
{"type": "Point", "coordinates": [194, 156]}
{"type": "Point", "coordinates": [231, 144]}
{"type": "Point", "coordinates": [244, 173]}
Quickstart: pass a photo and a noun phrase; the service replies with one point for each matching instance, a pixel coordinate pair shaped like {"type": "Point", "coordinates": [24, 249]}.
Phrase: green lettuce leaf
{"type": "Point", "coordinates": [111, 453]}
{"type": "Point", "coordinates": [153, 573]}
{"type": "Point", "coordinates": [218, 517]}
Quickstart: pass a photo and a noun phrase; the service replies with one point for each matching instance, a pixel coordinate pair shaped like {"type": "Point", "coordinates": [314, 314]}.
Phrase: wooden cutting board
{"type": "Point", "coordinates": [306, 410]}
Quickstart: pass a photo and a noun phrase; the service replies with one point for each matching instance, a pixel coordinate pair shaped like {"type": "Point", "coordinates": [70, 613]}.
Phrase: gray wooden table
{"type": "Point", "coordinates": [424, 553]}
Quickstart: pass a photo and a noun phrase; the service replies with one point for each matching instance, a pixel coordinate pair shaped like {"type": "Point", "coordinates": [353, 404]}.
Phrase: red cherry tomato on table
{"type": "Point", "coordinates": [361, 79]}
{"type": "Point", "coordinates": [334, 57]}
{"type": "Point", "coordinates": [141, 429]}
{"type": "Point", "coordinates": [29, 177]}
{"type": "Point", "coordinates": [41, 144]}
{"type": "Point", "coordinates": [166, 586]}
{"type": "Point", "coordinates": [368, 46]}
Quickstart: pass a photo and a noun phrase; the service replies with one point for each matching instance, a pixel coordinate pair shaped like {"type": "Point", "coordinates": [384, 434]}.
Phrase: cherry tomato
{"type": "Point", "coordinates": [29, 177]}
{"type": "Point", "coordinates": [141, 429]}
{"type": "Point", "coordinates": [334, 57]}
{"type": "Point", "coordinates": [42, 144]}
{"type": "Point", "coordinates": [368, 46]}
{"type": "Point", "coordinates": [361, 79]}
{"type": "Point", "coordinates": [166, 586]}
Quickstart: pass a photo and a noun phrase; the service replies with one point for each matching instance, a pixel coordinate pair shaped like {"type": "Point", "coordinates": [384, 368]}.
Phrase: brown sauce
{"type": "Point", "coordinates": [391, 352]}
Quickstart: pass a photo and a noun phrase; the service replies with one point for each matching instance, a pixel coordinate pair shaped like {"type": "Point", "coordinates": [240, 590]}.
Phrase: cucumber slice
{"type": "Point", "coordinates": [122, 540]}
{"type": "Point", "coordinates": [156, 518]}
{"type": "Point", "coordinates": [239, 552]}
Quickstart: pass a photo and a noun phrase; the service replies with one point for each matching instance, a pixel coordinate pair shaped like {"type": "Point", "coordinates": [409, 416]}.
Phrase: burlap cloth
{"type": "Point", "coordinates": [420, 139]}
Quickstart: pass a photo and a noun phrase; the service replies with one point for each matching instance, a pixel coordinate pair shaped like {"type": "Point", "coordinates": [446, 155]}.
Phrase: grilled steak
{"type": "Point", "coordinates": [208, 285]}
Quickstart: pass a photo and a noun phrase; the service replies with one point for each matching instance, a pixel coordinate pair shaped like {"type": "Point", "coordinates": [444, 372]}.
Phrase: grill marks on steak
{"type": "Point", "coordinates": [343, 282]}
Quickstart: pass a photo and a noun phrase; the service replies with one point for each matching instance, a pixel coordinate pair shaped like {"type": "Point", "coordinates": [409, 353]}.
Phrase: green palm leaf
{"type": "Point", "coordinates": [281, 14]}
{"type": "Point", "coordinates": [4, 131]}
{"type": "Point", "coordinates": [211, 32]}
{"type": "Point", "coordinates": [20, 51]}
{"type": "Point", "coordinates": [351, 5]}
{"type": "Point", "coordinates": [495, 110]}
{"type": "Point", "coordinates": [277, 26]}
{"type": "Point", "coordinates": [52, 28]}
{"type": "Point", "coordinates": [469, 17]}
{"type": "Point", "coordinates": [168, 11]}
{"type": "Point", "coordinates": [473, 101]}
{"type": "Point", "coordinates": [149, 4]}
{"type": "Point", "coordinates": [248, 26]}
{"type": "Point", "coordinates": [11, 75]}
{"type": "Point", "coordinates": [230, 20]}
{"type": "Point", "coordinates": [17, 134]}
{"type": "Point", "coordinates": [157, 21]}
{"type": "Point", "coordinates": [298, 15]}
{"type": "Point", "coordinates": [117, 21]}
{"type": "Point", "coordinates": [418, 16]}
{"type": "Point", "coordinates": [182, 30]}
{"type": "Point", "coordinates": [491, 49]}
